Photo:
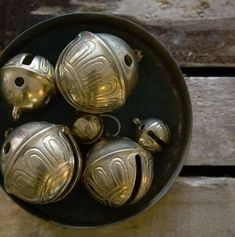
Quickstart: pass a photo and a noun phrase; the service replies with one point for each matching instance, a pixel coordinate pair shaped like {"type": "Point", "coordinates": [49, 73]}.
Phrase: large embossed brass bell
{"type": "Point", "coordinates": [40, 162]}
{"type": "Point", "coordinates": [118, 172]}
{"type": "Point", "coordinates": [152, 134]}
{"type": "Point", "coordinates": [27, 82]}
{"type": "Point", "coordinates": [97, 72]}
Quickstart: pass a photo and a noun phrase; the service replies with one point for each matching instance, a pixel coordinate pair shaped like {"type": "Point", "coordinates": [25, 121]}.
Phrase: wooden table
{"type": "Point", "coordinates": [201, 36]}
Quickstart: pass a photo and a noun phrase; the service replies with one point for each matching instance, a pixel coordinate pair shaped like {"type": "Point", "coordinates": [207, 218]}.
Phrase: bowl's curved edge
{"type": "Point", "coordinates": [188, 133]}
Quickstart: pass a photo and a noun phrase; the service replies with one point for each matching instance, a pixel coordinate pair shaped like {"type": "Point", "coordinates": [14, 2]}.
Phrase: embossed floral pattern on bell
{"type": "Point", "coordinates": [40, 162]}
{"type": "Point", "coordinates": [118, 172]}
{"type": "Point", "coordinates": [96, 72]}
{"type": "Point", "coordinates": [27, 82]}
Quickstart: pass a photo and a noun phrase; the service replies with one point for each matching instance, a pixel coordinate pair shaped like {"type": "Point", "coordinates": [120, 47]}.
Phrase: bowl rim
{"type": "Point", "coordinates": [177, 71]}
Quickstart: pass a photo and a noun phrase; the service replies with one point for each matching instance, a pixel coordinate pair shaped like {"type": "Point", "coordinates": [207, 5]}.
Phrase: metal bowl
{"type": "Point", "coordinates": [160, 92]}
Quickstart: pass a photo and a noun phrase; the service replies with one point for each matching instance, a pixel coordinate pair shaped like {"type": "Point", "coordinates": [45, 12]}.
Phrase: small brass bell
{"type": "Point", "coordinates": [152, 134]}
{"type": "Point", "coordinates": [27, 82]}
{"type": "Point", "coordinates": [97, 72]}
{"type": "Point", "coordinates": [88, 128]}
{"type": "Point", "coordinates": [40, 162]}
{"type": "Point", "coordinates": [118, 172]}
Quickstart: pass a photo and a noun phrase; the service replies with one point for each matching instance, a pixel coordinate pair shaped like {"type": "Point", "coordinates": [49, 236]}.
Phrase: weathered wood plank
{"type": "Point", "coordinates": [195, 32]}
{"type": "Point", "coordinates": [194, 207]}
{"type": "Point", "coordinates": [213, 101]}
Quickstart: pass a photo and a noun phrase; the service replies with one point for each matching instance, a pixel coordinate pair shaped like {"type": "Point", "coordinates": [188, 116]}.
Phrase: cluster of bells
{"type": "Point", "coordinates": [41, 162]}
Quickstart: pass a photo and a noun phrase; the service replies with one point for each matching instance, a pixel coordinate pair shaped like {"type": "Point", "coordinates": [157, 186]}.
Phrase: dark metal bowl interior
{"type": "Point", "coordinates": [161, 92]}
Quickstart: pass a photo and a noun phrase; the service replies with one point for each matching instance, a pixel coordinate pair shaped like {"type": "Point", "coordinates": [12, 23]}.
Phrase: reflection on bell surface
{"type": "Point", "coordinates": [40, 162]}
{"type": "Point", "coordinates": [88, 128]}
{"type": "Point", "coordinates": [27, 82]}
{"type": "Point", "coordinates": [152, 134]}
{"type": "Point", "coordinates": [118, 172]}
{"type": "Point", "coordinates": [97, 72]}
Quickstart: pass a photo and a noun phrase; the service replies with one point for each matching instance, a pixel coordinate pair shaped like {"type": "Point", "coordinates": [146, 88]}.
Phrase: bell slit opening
{"type": "Point", "coordinates": [28, 59]}
{"type": "Point", "coordinates": [7, 148]}
{"type": "Point", "coordinates": [156, 138]}
{"type": "Point", "coordinates": [138, 179]}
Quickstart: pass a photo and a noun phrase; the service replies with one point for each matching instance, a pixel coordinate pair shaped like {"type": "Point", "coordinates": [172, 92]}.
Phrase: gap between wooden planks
{"type": "Point", "coordinates": [197, 206]}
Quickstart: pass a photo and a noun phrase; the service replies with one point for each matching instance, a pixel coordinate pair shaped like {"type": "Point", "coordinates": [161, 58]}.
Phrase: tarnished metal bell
{"type": "Point", "coordinates": [27, 82]}
{"type": "Point", "coordinates": [118, 172]}
{"type": "Point", "coordinates": [88, 128]}
{"type": "Point", "coordinates": [40, 162]}
{"type": "Point", "coordinates": [152, 134]}
{"type": "Point", "coordinates": [97, 72]}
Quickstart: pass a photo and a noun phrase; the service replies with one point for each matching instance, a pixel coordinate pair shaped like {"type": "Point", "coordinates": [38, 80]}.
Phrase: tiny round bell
{"type": "Point", "coordinates": [88, 128]}
{"type": "Point", "coordinates": [40, 162]}
{"type": "Point", "coordinates": [97, 72]}
{"type": "Point", "coordinates": [152, 134]}
{"type": "Point", "coordinates": [118, 172]}
{"type": "Point", "coordinates": [27, 82]}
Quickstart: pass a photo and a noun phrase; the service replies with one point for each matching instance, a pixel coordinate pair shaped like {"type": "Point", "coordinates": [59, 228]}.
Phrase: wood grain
{"type": "Point", "coordinates": [194, 207]}
{"type": "Point", "coordinates": [213, 140]}
{"type": "Point", "coordinates": [195, 32]}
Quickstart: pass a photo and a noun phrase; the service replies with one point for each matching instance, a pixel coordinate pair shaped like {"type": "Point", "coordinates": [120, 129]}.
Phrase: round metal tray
{"type": "Point", "coordinates": [161, 92]}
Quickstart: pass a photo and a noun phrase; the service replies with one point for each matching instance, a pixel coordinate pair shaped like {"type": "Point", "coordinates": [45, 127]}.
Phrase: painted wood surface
{"type": "Point", "coordinates": [201, 207]}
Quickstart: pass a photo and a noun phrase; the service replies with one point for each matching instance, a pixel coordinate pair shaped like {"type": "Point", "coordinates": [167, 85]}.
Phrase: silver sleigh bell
{"type": "Point", "coordinates": [97, 72]}
{"type": "Point", "coordinates": [152, 134]}
{"type": "Point", "coordinates": [27, 82]}
{"type": "Point", "coordinates": [118, 172]}
{"type": "Point", "coordinates": [40, 162]}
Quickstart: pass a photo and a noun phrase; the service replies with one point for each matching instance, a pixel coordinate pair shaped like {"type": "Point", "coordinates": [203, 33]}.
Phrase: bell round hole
{"type": "Point", "coordinates": [19, 81]}
{"type": "Point", "coordinates": [128, 60]}
{"type": "Point", "coordinates": [6, 148]}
